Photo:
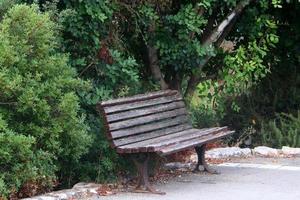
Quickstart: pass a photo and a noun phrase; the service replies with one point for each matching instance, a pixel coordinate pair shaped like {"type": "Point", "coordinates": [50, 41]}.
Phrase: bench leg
{"type": "Point", "coordinates": [200, 150]}
{"type": "Point", "coordinates": [141, 162]}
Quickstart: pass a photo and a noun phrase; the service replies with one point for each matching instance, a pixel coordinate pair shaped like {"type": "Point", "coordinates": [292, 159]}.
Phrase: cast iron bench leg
{"type": "Point", "coordinates": [143, 184]}
{"type": "Point", "coordinates": [200, 150]}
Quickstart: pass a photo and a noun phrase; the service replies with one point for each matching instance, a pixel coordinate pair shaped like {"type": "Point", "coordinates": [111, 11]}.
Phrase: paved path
{"type": "Point", "coordinates": [254, 179]}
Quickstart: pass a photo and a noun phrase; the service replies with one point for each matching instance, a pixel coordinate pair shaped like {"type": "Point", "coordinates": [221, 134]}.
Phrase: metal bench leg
{"type": "Point", "coordinates": [200, 150]}
{"type": "Point", "coordinates": [141, 163]}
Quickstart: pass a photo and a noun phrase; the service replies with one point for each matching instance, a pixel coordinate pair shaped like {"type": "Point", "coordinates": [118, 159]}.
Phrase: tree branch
{"type": "Point", "coordinates": [215, 38]}
{"type": "Point", "coordinates": [86, 68]}
{"type": "Point", "coordinates": [209, 26]}
{"type": "Point", "coordinates": [154, 67]}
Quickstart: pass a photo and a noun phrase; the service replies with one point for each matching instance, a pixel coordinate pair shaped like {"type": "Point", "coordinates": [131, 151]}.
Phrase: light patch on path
{"type": "Point", "coordinates": [260, 166]}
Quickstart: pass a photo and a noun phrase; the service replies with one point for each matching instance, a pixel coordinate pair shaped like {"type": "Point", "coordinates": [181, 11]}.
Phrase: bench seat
{"type": "Point", "coordinates": [168, 144]}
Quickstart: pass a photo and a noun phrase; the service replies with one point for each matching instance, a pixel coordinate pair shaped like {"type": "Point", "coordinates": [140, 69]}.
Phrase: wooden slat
{"type": "Point", "coordinates": [144, 111]}
{"type": "Point", "coordinates": [153, 134]}
{"type": "Point", "coordinates": [196, 133]}
{"type": "Point", "coordinates": [192, 143]}
{"type": "Point", "coordinates": [140, 104]}
{"type": "Point", "coordinates": [150, 127]}
{"type": "Point", "coordinates": [153, 122]}
{"type": "Point", "coordinates": [175, 138]}
{"type": "Point", "coordinates": [139, 97]}
{"type": "Point", "coordinates": [146, 119]}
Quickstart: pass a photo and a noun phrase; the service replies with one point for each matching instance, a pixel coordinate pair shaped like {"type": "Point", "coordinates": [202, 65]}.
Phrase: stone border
{"type": "Point", "coordinates": [79, 191]}
{"type": "Point", "coordinates": [236, 152]}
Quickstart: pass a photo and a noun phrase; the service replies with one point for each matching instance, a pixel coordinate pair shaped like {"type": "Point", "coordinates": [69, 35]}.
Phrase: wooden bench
{"type": "Point", "coordinates": [154, 123]}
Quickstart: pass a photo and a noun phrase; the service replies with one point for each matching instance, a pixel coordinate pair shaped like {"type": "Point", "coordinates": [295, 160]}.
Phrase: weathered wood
{"type": "Point", "coordinates": [140, 104]}
{"type": "Point", "coordinates": [153, 122]}
{"type": "Point", "coordinates": [144, 145]}
{"type": "Point", "coordinates": [149, 135]}
{"type": "Point", "coordinates": [146, 119]}
{"type": "Point", "coordinates": [139, 97]}
{"type": "Point", "coordinates": [144, 111]}
{"type": "Point", "coordinates": [174, 138]}
{"type": "Point", "coordinates": [149, 127]}
{"type": "Point", "coordinates": [191, 143]}
{"type": "Point", "coordinates": [167, 140]}
{"type": "Point", "coordinates": [185, 137]}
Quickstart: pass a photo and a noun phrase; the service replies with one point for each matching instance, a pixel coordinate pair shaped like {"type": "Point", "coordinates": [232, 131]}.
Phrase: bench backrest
{"type": "Point", "coordinates": [141, 117]}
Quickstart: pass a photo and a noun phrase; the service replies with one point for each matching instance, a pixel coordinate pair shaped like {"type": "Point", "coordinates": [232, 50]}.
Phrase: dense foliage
{"type": "Point", "coordinates": [41, 130]}
{"type": "Point", "coordinates": [232, 60]}
{"type": "Point", "coordinates": [270, 109]}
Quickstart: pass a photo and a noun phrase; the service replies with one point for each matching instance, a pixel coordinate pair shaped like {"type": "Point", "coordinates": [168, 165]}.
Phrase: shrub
{"type": "Point", "coordinates": [204, 117]}
{"type": "Point", "coordinates": [283, 131]}
{"type": "Point", "coordinates": [113, 71]}
{"type": "Point", "coordinates": [40, 123]}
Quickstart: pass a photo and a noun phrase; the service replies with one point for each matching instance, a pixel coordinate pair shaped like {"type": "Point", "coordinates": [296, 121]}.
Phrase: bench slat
{"type": "Point", "coordinates": [146, 119]}
{"type": "Point", "coordinates": [139, 97]}
{"type": "Point", "coordinates": [141, 104]}
{"type": "Point", "coordinates": [153, 134]}
{"type": "Point", "coordinates": [183, 119]}
{"type": "Point", "coordinates": [191, 143]}
{"type": "Point", "coordinates": [196, 133]}
{"type": "Point", "coordinates": [175, 138]}
{"type": "Point", "coordinates": [144, 111]}
{"type": "Point", "coordinates": [154, 122]}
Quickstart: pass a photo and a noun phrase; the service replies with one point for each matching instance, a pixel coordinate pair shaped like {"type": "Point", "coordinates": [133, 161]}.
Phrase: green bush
{"type": "Point", "coordinates": [113, 71]}
{"type": "Point", "coordinates": [283, 131]}
{"type": "Point", "coordinates": [204, 117]}
{"type": "Point", "coordinates": [41, 131]}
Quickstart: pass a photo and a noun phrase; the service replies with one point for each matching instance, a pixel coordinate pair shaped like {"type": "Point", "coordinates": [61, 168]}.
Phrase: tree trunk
{"type": "Point", "coordinates": [215, 38]}
{"type": "Point", "coordinates": [175, 82]}
{"type": "Point", "coordinates": [154, 67]}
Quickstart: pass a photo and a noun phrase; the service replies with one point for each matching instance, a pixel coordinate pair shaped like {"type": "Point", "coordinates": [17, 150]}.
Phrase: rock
{"type": "Point", "coordinates": [83, 185]}
{"type": "Point", "coordinates": [265, 151]}
{"type": "Point", "coordinates": [177, 165]}
{"type": "Point", "coordinates": [290, 151]}
{"type": "Point", "coordinates": [228, 152]}
{"type": "Point", "coordinates": [47, 198]}
{"type": "Point", "coordinates": [79, 191]}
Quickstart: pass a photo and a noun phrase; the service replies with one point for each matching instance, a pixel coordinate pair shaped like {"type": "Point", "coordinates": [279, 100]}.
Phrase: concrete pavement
{"type": "Point", "coordinates": [250, 179]}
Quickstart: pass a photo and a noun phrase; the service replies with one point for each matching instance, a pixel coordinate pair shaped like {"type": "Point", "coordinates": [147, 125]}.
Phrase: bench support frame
{"type": "Point", "coordinates": [143, 185]}
{"type": "Point", "coordinates": [200, 150]}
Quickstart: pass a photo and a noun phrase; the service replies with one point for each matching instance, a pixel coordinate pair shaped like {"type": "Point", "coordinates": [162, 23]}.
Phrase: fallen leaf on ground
{"type": "Point", "coordinates": [105, 190]}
